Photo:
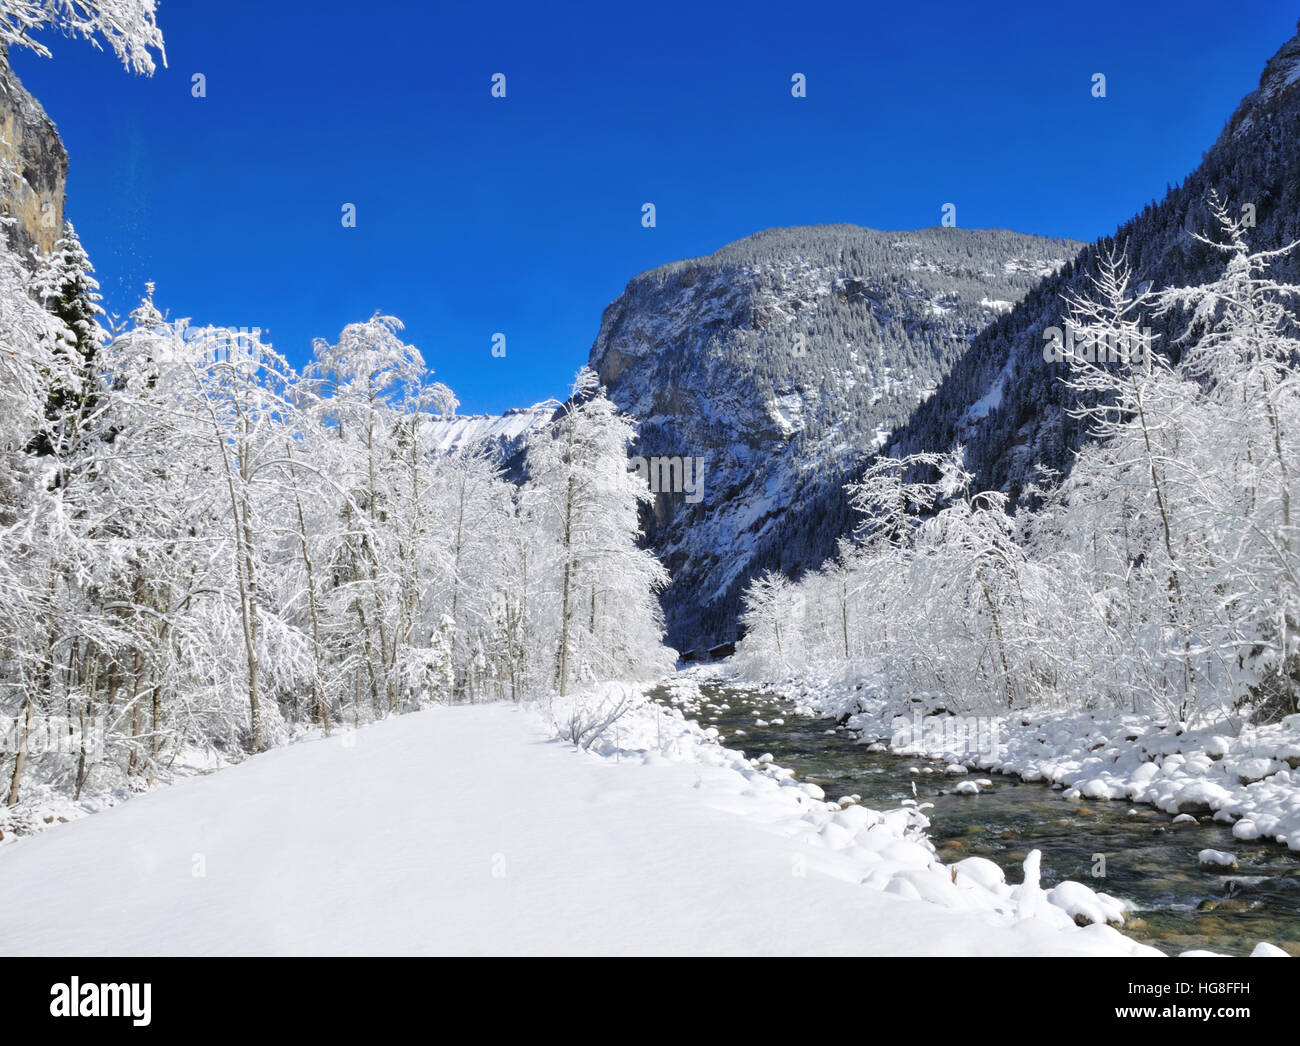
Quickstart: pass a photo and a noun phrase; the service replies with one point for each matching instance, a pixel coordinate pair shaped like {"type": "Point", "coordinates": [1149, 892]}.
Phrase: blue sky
{"type": "Point", "coordinates": [523, 216]}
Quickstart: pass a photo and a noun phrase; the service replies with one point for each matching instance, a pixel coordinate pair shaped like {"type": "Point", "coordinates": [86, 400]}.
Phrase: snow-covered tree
{"type": "Point", "coordinates": [584, 500]}
{"type": "Point", "coordinates": [1160, 577]}
{"type": "Point", "coordinates": [129, 27]}
{"type": "Point", "coordinates": [199, 546]}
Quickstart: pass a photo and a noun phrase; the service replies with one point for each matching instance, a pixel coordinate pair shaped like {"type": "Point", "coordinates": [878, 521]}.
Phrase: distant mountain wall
{"type": "Point", "coordinates": [779, 360]}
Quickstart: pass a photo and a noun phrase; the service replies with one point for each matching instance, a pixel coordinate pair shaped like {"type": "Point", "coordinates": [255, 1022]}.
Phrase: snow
{"type": "Point", "coordinates": [979, 870]}
{"type": "Point", "coordinates": [787, 412]}
{"type": "Point", "coordinates": [992, 398]}
{"type": "Point", "coordinates": [462, 432]}
{"type": "Point", "coordinates": [1245, 776]}
{"type": "Point", "coordinates": [469, 829]}
{"type": "Point", "coordinates": [1217, 859]}
{"type": "Point", "coordinates": [1245, 829]}
{"type": "Point", "coordinates": [1085, 905]}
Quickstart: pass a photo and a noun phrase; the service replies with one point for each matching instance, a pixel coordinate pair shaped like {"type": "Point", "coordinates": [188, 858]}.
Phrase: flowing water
{"type": "Point", "coordinates": [1149, 861]}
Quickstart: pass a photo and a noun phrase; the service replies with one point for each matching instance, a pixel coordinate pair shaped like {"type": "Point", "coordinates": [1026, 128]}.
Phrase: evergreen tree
{"type": "Point", "coordinates": [64, 283]}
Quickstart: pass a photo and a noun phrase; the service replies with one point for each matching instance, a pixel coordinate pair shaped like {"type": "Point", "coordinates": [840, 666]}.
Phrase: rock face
{"type": "Point", "coordinates": [501, 437]}
{"type": "Point", "coordinates": [1000, 399]}
{"type": "Point", "coordinates": [33, 167]}
{"type": "Point", "coordinates": [777, 361]}
{"type": "Point", "coordinates": [1254, 163]}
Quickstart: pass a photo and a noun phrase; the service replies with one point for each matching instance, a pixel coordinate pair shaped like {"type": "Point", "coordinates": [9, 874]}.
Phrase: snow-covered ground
{"type": "Point", "coordinates": [1246, 776]}
{"type": "Point", "coordinates": [472, 830]}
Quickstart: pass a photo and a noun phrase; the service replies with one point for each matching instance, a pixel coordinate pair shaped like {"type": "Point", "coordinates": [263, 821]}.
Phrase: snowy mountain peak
{"type": "Point", "coordinates": [502, 434]}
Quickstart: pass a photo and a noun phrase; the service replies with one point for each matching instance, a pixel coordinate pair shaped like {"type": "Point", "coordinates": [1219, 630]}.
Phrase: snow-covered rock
{"type": "Point", "coordinates": [1216, 859]}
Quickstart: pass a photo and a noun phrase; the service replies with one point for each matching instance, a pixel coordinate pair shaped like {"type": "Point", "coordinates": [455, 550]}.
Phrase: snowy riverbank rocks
{"type": "Point", "coordinates": [1244, 775]}
{"type": "Point", "coordinates": [885, 850]}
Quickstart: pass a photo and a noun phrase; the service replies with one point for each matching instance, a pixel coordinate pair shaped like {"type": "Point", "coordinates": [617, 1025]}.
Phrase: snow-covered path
{"type": "Point", "coordinates": [464, 830]}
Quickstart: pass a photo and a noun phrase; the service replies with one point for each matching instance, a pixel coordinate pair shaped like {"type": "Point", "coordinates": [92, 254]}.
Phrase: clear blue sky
{"type": "Point", "coordinates": [523, 215]}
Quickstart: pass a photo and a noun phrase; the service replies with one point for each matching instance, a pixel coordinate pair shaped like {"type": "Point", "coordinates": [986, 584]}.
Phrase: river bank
{"type": "Point", "coordinates": [1147, 858]}
{"type": "Point", "coordinates": [1244, 776]}
{"type": "Point", "coordinates": [473, 830]}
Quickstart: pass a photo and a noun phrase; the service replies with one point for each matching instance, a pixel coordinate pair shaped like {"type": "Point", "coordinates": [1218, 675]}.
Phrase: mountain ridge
{"type": "Point", "coordinates": [782, 356]}
{"type": "Point", "coordinates": [1001, 400]}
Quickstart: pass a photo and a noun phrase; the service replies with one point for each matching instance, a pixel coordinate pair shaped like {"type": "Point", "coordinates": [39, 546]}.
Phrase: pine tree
{"type": "Point", "coordinates": [64, 283]}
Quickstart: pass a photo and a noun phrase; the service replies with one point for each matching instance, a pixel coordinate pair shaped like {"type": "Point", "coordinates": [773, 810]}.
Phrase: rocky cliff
{"type": "Point", "coordinates": [1005, 403]}
{"type": "Point", "coordinates": [779, 360]}
{"type": "Point", "coordinates": [1000, 399]}
{"type": "Point", "coordinates": [33, 167]}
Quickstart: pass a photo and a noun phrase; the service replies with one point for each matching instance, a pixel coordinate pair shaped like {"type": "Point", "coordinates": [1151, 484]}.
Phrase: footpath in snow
{"type": "Point", "coordinates": [469, 830]}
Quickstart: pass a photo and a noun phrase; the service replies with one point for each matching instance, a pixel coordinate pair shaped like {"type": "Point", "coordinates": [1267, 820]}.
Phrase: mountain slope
{"type": "Point", "coordinates": [498, 436]}
{"type": "Point", "coordinates": [1256, 160]}
{"type": "Point", "coordinates": [783, 358]}
{"type": "Point", "coordinates": [1001, 399]}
